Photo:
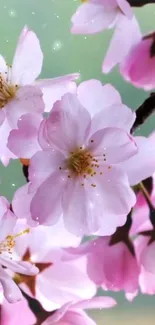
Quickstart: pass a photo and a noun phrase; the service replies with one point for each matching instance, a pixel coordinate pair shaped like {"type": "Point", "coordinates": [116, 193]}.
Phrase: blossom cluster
{"type": "Point", "coordinates": [87, 174]}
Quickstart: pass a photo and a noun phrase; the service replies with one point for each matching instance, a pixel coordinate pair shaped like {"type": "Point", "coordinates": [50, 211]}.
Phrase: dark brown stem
{"type": "Point", "coordinates": [144, 111]}
{"type": "Point", "coordinates": [140, 3]}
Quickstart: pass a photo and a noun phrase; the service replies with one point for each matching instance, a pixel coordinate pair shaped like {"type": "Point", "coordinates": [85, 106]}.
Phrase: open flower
{"type": "Point", "coordinates": [87, 156]}
{"type": "Point", "coordinates": [19, 93]}
{"type": "Point", "coordinates": [72, 313]}
{"type": "Point", "coordinates": [93, 16]}
{"type": "Point", "coordinates": [7, 243]}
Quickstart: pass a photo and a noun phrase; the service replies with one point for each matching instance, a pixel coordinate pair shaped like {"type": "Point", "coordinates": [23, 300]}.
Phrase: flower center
{"type": "Point", "coordinates": [80, 162]}
{"type": "Point", "coordinates": [7, 90]}
{"type": "Point", "coordinates": [9, 242]}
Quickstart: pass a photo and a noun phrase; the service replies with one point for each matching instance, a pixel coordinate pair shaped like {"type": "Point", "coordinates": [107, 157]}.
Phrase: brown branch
{"type": "Point", "coordinates": [144, 111]}
{"type": "Point", "coordinates": [140, 3]}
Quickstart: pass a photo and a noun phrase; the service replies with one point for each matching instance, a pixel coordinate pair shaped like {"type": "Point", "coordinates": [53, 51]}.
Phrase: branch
{"type": "Point", "coordinates": [144, 111]}
{"type": "Point", "coordinates": [140, 3]}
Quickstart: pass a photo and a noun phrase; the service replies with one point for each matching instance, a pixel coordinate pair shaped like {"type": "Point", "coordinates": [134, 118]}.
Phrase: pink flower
{"type": "Point", "coordinates": [79, 155]}
{"type": "Point", "coordinates": [7, 262]}
{"type": "Point", "coordinates": [96, 15]}
{"type": "Point", "coordinates": [17, 313]}
{"type": "Point", "coordinates": [112, 266]}
{"type": "Point", "coordinates": [19, 94]}
{"type": "Point", "coordinates": [72, 313]}
{"type": "Point", "coordinates": [138, 66]}
{"type": "Point", "coordinates": [59, 279]}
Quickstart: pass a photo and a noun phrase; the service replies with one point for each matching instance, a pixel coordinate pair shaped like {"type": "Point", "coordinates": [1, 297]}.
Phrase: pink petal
{"type": "Point", "coordinates": [57, 315]}
{"type": "Point", "coordinates": [43, 164]}
{"type": "Point", "coordinates": [2, 116]}
{"type": "Point", "coordinates": [5, 153]}
{"type": "Point", "coordinates": [17, 266]}
{"type": "Point", "coordinates": [142, 165]}
{"type": "Point", "coordinates": [90, 18]}
{"type": "Point", "coordinates": [12, 314]}
{"type": "Point", "coordinates": [112, 145]}
{"type": "Point", "coordinates": [28, 100]}
{"type": "Point", "coordinates": [12, 292]}
{"type": "Point", "coordinates": [59, 287]}
{"type": "Point", "coordinates": [54, 89]}
{"type": "Point", "coordinates": [46, 203]}
{"type": "Point", "coordinates": [96, 302]}
{"type": "Point", "coordinates": [147, 258]}
{"type": "Point", "coordinates": [21, 202]}
{"type": "Point", "coordinates": [138, 66]}
{"type": "Point", "coordinates": [28, 59]}
{"type": "Point", "coordinates": [95, 97]}
{"type": "Point", "coordinates": [23, 142]}
{"type": "Point", "coordinates": [7, 223]}
{"type": "Point", "coordinates": [68, 124]}
{"type": "Point", "coordinates": [126, 8]}
{"type": "Point", "coordinates": [3, 66]}
{"type": "Point", "coordinates": [126, 35]}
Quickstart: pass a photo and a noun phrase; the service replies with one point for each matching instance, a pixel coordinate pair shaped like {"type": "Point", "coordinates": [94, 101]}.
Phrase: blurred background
{"type": "Point", "coordinates": [65, 53]}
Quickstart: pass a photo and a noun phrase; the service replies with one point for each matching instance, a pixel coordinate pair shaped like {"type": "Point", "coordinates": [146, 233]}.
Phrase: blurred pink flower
{"type": "Point", "coordinates": [112, 266]}
{"type": "Point", "coordinates": [138, 67]}
{"type": "Point", "coordinates": [19, 93]}
{"type": "Point", "coordinates": [72, 313]}
{"type": "Point", "coordinates": [93, 16]}
{"type": "Point", "coordinates": [7, 260]}
{"type": "Point", "coordinates": [59, 279]}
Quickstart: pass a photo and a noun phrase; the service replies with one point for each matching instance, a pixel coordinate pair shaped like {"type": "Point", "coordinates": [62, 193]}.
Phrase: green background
{"type": "Point", "coordinates": [66, 53]}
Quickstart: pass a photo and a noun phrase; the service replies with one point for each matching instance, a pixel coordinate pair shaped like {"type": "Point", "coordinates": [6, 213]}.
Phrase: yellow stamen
{"type": "Point", "coordinates": [9, 243]}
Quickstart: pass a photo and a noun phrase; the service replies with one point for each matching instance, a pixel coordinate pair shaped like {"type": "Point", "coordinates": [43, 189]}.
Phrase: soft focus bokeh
{"type": "Point", "coordinates": [65, 53]}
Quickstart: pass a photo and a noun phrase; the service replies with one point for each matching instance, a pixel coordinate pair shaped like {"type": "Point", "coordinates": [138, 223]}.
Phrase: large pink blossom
{"type": "Point", "coordinates": [82, 150]}
{"type": "Point", "coordinates": [19, 93]}
{"type": "Point", "coordinates": [59, 279]}
{"type": "Point", "coordinates": [72, 313]}
{"type": "Point", "coordinates": [94, 16]}
{"type": "Point", "coordinates": [7, 259]}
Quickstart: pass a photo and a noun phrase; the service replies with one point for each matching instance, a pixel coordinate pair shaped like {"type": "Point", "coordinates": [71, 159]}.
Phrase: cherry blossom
{"type": "Point", "coordinates": [73, 312]}
{"type": "Point", "coordinates": [19, 93]}
{"type": "Point", "coordinates": [7, 261]}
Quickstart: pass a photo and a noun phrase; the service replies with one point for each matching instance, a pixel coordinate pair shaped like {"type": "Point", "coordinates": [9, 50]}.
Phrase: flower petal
{"type": "Point", "coordinates": [95, 97]}
{"type": "Point", "coordinates": [12, 292]}
{"type": "Point", "coordinates": [126, 35]}
{"type": "Point", "coordinates": [28, 100]}
{"type": "Point", "coordinates": [21, 202]}
{"type": "Point", "coordinates": [28, 59]}
{"type": "Point", "coordinates": [112, 145]}
{"type": "Point", "coordinates": [69, 123]}
{"type": "Point", "coordinates": [23, 142]}
{"type": "Point", "coordinates": [46, 203]}
{"type": "Point", "coordinates": [95, 302]}
{"type": "Point", "coordinates": [54, 89]}
{"type": "Point", "coordinates": [142, 165]}
{"type": "Point", "coordinates": [90, 18]}
{"type": "Point", "coordinates": [42, 164]}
